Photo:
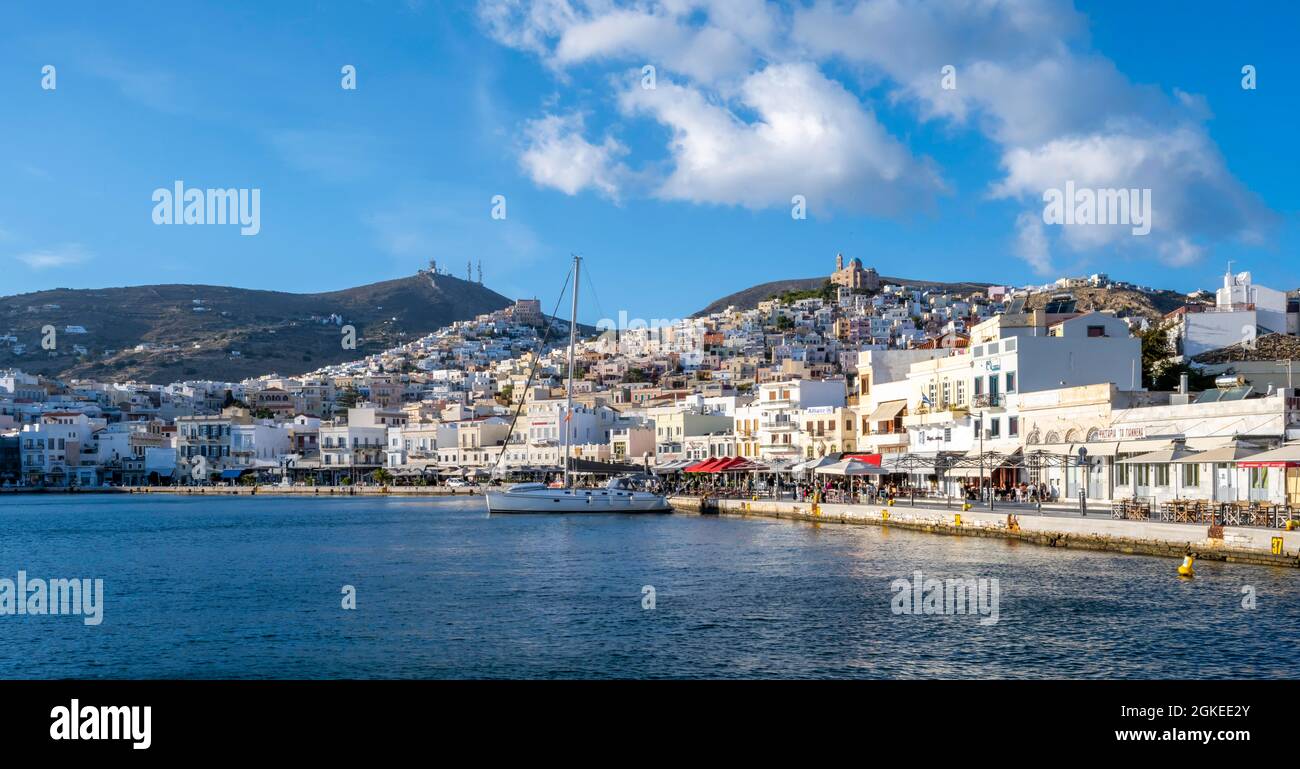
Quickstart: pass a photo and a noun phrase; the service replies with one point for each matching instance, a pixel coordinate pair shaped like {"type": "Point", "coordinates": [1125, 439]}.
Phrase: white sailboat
{"type": "Point", "coordinates": [619, 496]}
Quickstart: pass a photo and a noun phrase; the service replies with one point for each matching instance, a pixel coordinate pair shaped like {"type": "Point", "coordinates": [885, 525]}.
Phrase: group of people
{"type": "Point", "coordinates": [1016, 492]}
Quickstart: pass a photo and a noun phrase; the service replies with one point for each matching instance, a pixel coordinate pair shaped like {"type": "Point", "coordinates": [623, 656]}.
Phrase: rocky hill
{"type": "Point", "coordinates": [1124, 302]}
{"type": "Point", "coordinates": [749, 298]}
{"type": "Point", "coordinates": [168, 333]}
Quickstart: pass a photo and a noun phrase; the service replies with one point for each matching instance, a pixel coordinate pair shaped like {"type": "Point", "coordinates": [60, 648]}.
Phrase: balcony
{"type": "Point", "coordinates": [989, 401]}
{"type": "Point", "coordinates": [932, 416]}
{"type": "Point", "coordinates": [887, 440]}
{"type": "Point", "coordinates": [778, 427]}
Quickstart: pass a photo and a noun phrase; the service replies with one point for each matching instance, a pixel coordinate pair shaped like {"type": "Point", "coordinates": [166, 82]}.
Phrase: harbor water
{"type": "Point", "coordinates": [253, 587]}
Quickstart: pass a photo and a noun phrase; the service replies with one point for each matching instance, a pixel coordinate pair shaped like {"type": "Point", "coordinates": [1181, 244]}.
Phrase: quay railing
{"type": "Point", "coordinates": [1146, 509]}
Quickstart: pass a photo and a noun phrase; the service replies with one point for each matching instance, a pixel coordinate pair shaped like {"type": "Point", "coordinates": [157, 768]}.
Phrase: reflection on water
{"type": "Point", "coordinates": [250, 587]}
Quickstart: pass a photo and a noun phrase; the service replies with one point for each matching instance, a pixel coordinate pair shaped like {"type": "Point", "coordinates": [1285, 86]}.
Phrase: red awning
{"type": "Point", "coordinates": [866, 459]}
{"type": "Point", "coordinates": [1248, 463]}
{"type": "Point", "coordinates": [704, 466]}
{"type": "Point", "coordinates": [742, 465]}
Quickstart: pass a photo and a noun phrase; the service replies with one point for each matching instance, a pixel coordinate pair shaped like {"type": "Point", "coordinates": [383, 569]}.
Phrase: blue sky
{"type": "Point", "coordinates": [675, 195]}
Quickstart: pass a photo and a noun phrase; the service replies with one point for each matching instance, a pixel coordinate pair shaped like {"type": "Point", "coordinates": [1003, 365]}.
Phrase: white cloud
{"type": "Point", "coordinates": [64, 255]}
{"type": "Point", "coordinates": [1031, 243]}
{"type": "Point", "coordinates": [751, 112]}
{"type": "Point", "coordinates": [809, 136]}
{"type": "Point", "coordinates": [558, 156]}
{"type": "Point", "coordinates": [1193, 196]}
{"type": "Point", "coordinates": [1058, 112]}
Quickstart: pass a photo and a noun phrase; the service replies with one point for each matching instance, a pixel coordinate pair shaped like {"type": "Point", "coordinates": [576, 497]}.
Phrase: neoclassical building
{"type": "Point", "coordinates": [854, 276]}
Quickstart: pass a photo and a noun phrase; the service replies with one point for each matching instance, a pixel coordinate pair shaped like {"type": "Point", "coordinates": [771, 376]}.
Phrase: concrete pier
{"type": "Point", "coordinates": [1271, 547]}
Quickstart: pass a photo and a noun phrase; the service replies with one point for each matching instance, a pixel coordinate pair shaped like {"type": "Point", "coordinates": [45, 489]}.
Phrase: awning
{"type": "Point", "coordinates": [703, 466]}
{"type": "Point", "coordinates": [887, 411]}
{"type": "Point", "coordinates": [227, 475]}
{"type": "Point", "coordinates": [812, 464]}
{"type": "Point", "coordinates": [674, 466]}
{"type": "Point", "coordinates": [871, 459]}
{"type": "Point", "coordinates": [1284, 456]}
{"type": "Point", "coordinates": [1225, 455]}
{"type": "Point", "coordinates": [1143, 446]}
{"type": "Point", "coordinates": [850, 467]}
{"type": "Point", "coordinates": [738, 465]}
{"type": "Point", "coordinates": [1173, 453]}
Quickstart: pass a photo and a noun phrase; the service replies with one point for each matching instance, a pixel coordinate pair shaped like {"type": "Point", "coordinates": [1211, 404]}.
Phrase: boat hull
{"type": "Point", "coordinates": [545, 501]}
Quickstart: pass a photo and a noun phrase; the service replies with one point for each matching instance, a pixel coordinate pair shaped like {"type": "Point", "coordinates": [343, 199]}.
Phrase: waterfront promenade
{"type": "Point", "coordinates": [1054, 528]}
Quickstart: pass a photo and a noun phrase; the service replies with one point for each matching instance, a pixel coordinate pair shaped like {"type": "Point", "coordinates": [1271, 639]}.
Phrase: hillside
{"type": "Point", "coordinates": [749, 298]}
{"type": "Point", "coordinates": [1124, 302]}
{"type": "Point", "coordinates": [168, 333]}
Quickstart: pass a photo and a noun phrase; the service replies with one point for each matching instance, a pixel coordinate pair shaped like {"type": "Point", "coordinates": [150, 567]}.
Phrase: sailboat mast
{"type": "Point", "coordinates": [567, 423]}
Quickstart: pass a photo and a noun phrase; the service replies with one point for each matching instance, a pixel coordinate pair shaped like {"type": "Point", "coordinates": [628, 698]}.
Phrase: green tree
{"type": "Point", "coordinates": [349, 397]}
{"type": "Point", "coordinates": [1159, 371]}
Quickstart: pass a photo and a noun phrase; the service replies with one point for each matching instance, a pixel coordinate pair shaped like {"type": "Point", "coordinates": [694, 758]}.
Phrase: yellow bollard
{"type": "Point", "coordinates": [1186, 569]}
{"type": "Point", "coordinates": [884, 515]}
{"type": "Point", "coordinates": [957, 516]}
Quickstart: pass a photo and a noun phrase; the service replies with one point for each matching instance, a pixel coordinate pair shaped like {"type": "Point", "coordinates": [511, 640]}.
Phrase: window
{"type": "Point", "coordinates": [1122, 475]}
{"type": "Point", "coordinates": [1013, 427]}
{"type": "Point", "coordinates": [979, 386]}
{"type": "Point", "coordinates": [1011, 381]}
{"type": "Point", "coordinates": [995, 428]}
{"type": "Point", "coordinates": [1162, 475]}
{"type": "Point", "coordinates": [1259, 477]}
{"type": "Point", "coordinates": [1191, 475]}
{"type": "Point", "coordinates": [1096, 331]}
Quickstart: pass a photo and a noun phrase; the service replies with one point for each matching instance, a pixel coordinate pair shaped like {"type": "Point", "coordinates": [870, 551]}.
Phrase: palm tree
{"type": "Point", "coordinates": [382, 476]}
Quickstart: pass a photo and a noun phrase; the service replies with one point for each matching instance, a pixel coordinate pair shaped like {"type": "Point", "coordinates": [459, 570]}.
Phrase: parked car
{"type": "Point", "coordinates": [457, 483]}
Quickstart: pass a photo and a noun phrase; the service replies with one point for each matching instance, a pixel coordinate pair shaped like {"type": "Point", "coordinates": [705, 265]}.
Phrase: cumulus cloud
{"type": "Point", "coordinates": [808, 136]}
{"type": "Point", "coordinates": [751, 111]}
{"type": "Point", "coordinates": [1182, 168]}
{"type": "Point", "coordinates": [558, 156]}
{"type": "Point", "coordinates": [1058, 112]}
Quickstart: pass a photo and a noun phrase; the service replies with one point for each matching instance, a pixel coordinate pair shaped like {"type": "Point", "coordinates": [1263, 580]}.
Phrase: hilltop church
{"type": "Point", "coordinates": [853, 276]}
